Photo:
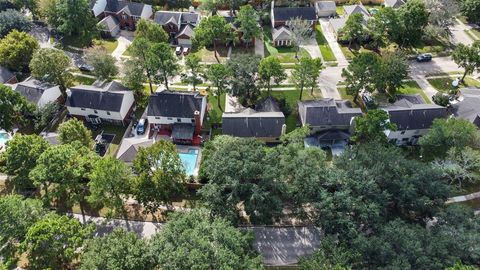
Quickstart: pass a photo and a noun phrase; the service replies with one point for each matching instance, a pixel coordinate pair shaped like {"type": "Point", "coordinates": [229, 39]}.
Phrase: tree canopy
{"type": "Point", "coordinates": [104, 64]}
{"type": "Point", "coordinates": [51, 65]}
{"type": "Point", "coordinates": [372, 126]}
{"type": "Point", "coordinates": [14, 108]}
{"type": "Point", "coordinates": [243, 79]}
{"type": "Point", "coordinates": [74, 130]}
{"type": "Point", "coordinates": [11, 19]}
{"type": "Point", "coordinates": [467, 57]}
{"type": "Point", "coordinates": [16, 50]}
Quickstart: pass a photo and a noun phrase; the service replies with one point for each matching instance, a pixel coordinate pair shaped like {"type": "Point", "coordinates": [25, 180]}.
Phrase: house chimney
{"type": "Point", "coordinates": [191, 9]}
{"type": "Point", "coordinates": [198, 122]}
{"type": "Point", "coordinates": [69, 92]}
{"type": "Point", "coordinates": [284, 129]}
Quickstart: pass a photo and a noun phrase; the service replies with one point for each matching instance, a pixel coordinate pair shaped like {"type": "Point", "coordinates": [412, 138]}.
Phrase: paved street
{"type": "Point", "coordinates": [458, 34]}
{"type": "Point", "coordinates": [328, 81]}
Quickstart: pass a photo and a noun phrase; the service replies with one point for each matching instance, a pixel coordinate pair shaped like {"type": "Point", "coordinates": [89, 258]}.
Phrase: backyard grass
{"type": "Point", "coordinates": [291, 98]}
{"type": "Point", "coordinates": [325, 49]}
{"type": "Point", "coordinates": [208, 54]}
{"type": "Point", "coordinates": [445, 84]}
{"type": "Point", "coordinates": [119, 131]}
{"type": "Point", "coordinates": [412, 88]}
{"type": "Point", "coordinates": [241, 49]}
{"type": "Point", "coordinates": [214, 112]}
{"type": "Point", "coordinates": [81, 80]}
{"type": "Point", "coordinates": [109, 44]}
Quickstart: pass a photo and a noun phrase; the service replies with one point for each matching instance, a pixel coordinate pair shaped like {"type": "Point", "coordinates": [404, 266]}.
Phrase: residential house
{"type": "Point", "coordinates": [330, 120]}
{"type": "Point", "coordinates": [468, 106]}
{"type": "Point", "coordinates": [265, 122]}
{"type": "Point", "coordinates": [394, 3]}
{"type": "Point", "coordinates": [178, 115]}
{"type": "Point", "coordinates": [280, 18]}
{"type": "Point", "coordinates": [6, 76]}
{"type": "Point", "coordinates": [38, 93]}
{"type": "Point", "coordinates": [230, 17]}
{"type": "Point", "coordinates": [109, 27]}
{"type": "Point", "coordinates": [336, 24]}
{"type": "Point", "coordinates": [412, 117]}
{"type": "Point", "coordinates": [126, 13]}
{"type": "Point", "coordinates": [325, 8]}
{"type": "Point", "coordinates": [179, 25]}
{"type": "Point", "coordinates": [109, 102]}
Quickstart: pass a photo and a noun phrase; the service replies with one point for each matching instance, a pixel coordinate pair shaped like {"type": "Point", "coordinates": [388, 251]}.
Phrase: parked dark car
{"type": "Point", "coordinates": [424, 57]}
{"type": "Point", "coordinates": [85, 68]}
{"type": "Point", "coordinates": [142, 126]}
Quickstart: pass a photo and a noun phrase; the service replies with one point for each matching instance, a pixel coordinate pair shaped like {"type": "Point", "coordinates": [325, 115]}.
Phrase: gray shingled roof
{"type": "Point", "coordinates": [352, 9]}
{"type": "Point", "coordinates": [394, 3]}
{"type": "Point", "coordinates": [266, 121]}
{"type": "Point", "coordinates": [5, 75]}
{"type": "Point", "coordinates": [327, 112]}
{"type": "Point", "coordinates": [282, 32]}
{"type": "Point", "coordinates": [409, 116]}
{"type": "Point", "coordinates": [325, 5]}
{"type": "Point", "coordinates": [107, 98]}
{"type": "Point", "coordinates": [186, 30]}
{"type": "Point", "coordinates": [290, 13]}
{"type": "Point", "coordinates": [134, 8]}
{"type": "Point", "coordinates": [175, 104]}
{"type": "Point", "coordinates": [32, 89]}
{"type": "Point", "coordinates": [469, 107]}
{"type": "Point", "coordinates": [131, 152]}
{"type": "Point", "coordinates": [337, 23]}
{"type": "Point", "coordinates": [179, 18]}
{"type": "Point", "coordinates": [110, 23]}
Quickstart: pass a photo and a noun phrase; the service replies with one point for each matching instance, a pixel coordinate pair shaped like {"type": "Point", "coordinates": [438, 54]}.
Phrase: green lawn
{"type": "Point", "coordinates": [325, 49]}
{"type": "Point", "coordinates": [109, 44]}
{"type": "Point", "coordinates": [214, 112]}
{"type": "Point", "coordinates": [343, 94]}
{"type": "Point", "coordinates": [291, 98]}
{"type": "Point", "coordinates": [340, 10]}
{"type": "Point", "coordinates": [208, 54]}
{"type": "Point", "coordinates": [412, 88]}
{"type": "Point", "coordinates": [81, 80]}
{"type": "Point", "coordinates": [475, 32]}
{"type": "Point", "coordinates": [445, 84]}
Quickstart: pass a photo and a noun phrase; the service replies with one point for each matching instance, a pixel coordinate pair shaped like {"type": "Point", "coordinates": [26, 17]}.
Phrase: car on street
{"type": "Point", "coordinates": [424, 57]}
{"type": "Point", "coordinates": [85, 68]}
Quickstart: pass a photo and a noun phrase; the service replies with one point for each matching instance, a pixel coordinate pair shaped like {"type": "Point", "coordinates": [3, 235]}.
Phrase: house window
{"type": "Point", "coordinates": [179, 120]}
{"type": "Point", "coordinates": [83, 109]}
{"type": "Point", "coordinates": [157, 117]}
{"type": "Point", "coordinates": [108, 113]}
{"type": "Point", "coordinates": [95, 111]}
{"type": "Point", "coordinates": [169, 118]}
{"type": "Point", "coordinates": [125, 17]}
{"type": "Point", "coordinates": [193, 120]}
{"type": "Point", "coordinates": [403, 132]}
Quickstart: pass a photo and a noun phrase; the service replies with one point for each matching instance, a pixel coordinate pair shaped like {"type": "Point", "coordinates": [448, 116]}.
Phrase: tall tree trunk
{"type": "Point", "coordinates": [355, 99]}
{"type": "Point", "coordinates": [125, 217]}
{"type": "Point", "coordinates": [464, 75]}
{"type": "Point", "coordinates": [215, 50]}
{"type": "Point", "coordinates": [269, 88]}
{"type": "Point", "coordinates": [150, 84]}
{"type": "Point", "coordinates": [219, 103]}
{"type": "Point", "coordinates": [83, 211]}
{"type": "Point", "coordinates": [301, 92]}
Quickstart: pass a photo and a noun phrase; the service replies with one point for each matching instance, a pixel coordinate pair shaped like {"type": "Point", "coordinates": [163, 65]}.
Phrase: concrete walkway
{"type": "Point", "coordinates": [463, 198]}
{"type": "Point", "coordinates": [312, 48]}
{"type": "Point", "coordinates": [123, 44]}
{"type": "Point", "coordinates": [429, 90]}
{"type": "Point", "coordinates": [259, 47]}
{"type": "Point", "coordinates": [332, 42]}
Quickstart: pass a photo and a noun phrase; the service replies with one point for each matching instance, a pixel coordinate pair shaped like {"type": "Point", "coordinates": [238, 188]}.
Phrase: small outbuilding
{"type": "Point", "coordinates": [325, 8]}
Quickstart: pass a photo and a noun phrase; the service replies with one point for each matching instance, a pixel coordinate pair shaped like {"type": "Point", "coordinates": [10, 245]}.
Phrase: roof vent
{"type": "Point", "coordinates": [69, 92]}
{"type": "Point", "coordinates": [191, 9]}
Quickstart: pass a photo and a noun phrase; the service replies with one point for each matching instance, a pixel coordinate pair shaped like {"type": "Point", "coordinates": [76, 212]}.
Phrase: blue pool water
{"type": "Point", "coordinates": [189, 161]}
{"type": "Point", "coordinates": [4, 137]}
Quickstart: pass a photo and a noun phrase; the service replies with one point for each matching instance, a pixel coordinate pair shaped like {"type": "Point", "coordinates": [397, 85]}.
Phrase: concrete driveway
{"type": "Point", "coordinates": [42, 35]}
{"type": "Point", "coordinates": [458, 34]}
{"type": "Point", "coordinates": [311, 46]}
{"type": "Point", "coordinates": [332, 42]}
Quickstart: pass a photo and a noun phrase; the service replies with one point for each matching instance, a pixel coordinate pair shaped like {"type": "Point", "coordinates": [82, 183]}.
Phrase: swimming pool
{"type": "Point", "coordinates": [189, 161]}
{"type": "Point", "coordinates": [4, 137]}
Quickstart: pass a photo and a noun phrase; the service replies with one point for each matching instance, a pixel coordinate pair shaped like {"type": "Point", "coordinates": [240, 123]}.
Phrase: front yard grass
{"type": "Point", "coordinates": [208, 54]}
{"type": "Point", "coordinates": [108, 44]}
{"type": "Point", "coordinates": [325, 49]}
{"type": "Point", "coordinates": [444, 85]}
{"type": "Point", "coordinates": [291, 98]}
{"type": "Point", "coordinates": [412, 88]}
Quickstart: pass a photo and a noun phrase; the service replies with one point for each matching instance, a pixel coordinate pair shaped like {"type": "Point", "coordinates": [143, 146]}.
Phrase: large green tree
{"type": "Point", "coordinates": [372, 126]}
{"type": "Point", "coordinates": [212, 30]}
{"type": "Point", "coordinates": [11, 19]}
{"type": "Point", "coordinates": [360, 74]}
{"type": "Point", "coordinates": [160, 175]}
{"type": "Point", "coordinates": [471, 10]}
{"type": "Point", "coordinates": [446, 134]}
{"type": "Point", "coordinates": [194, 240]}
{"type": "Point", "coordinates": [461, 167]}
{"type": "Point", "coordinates": [74, 130]}
{"type": "Point", "coordinates": [218, 75]}
{"type": "Point", "coordinates": [165, 63]}
{"type": "Point", "coordinates": [414, 18]}
{"type": "Point", "coordinates": [14, 108]}
{"type": "Point", "coordinates": [467, 57]}
{"type": "Point", "coordinates": [16, 50]}
{"type": "Point", "coordinates": [193, 69]}
{"type": "Point", "coordinates": [17, 215]}
{"type": "Point", "coordinates": [354, 29]}
{"type": "Point", "coordinates": [53, 242]}
{"type": "Point", "coordinates": [393, 71]}
{"type": "Point", "coordinates": [244, 77]}
{"type": "Point", "coordinates": [383, 27]}
{"type": "Point", "coordinates": [21, 157]}
{"type": "Point", "coordinates": [72, 18]}
{"type": "Point", "coordinates": [234, 169]}
{"type": "Point", "coordinates": [62, 172]}
{"type": "Point", "coordinates": [301, 32]}
{"type": "Point", "coordinates": [52, 65]}
{"type": "Point", "coordinates": [119, 250]}
{"type": "Point", "coordinates": [305, 74]}
{"type": "Point", "coordinates": [110, 185]}
{"type": "Point", "coordinates": [247, 19]}
{"type": "Point", "coordinates": [104, 64]}
{"type": "Point", "coordinates": [270, 69]}
{"type": "Point", "coordinates": [151, 31]}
